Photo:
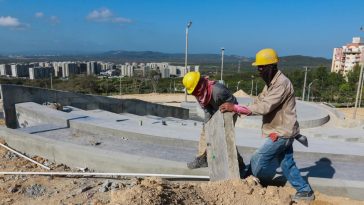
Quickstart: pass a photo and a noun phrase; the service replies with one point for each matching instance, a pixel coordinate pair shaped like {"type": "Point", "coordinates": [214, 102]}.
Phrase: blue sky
{"type": "Point", "coordinates": [305, 27]}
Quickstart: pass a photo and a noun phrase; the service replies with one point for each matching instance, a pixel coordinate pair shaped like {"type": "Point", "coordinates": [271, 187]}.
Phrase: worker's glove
{"type": "Point", "coordinates": [273, 136]}
{"type": "Point", "coordinates": [241, 109]}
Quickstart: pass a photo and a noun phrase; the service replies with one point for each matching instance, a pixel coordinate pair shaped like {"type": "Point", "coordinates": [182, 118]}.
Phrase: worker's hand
{"type": "Point", "coordinates": [227, 107]}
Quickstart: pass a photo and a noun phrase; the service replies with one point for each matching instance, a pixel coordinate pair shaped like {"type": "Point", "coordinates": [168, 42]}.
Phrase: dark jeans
{"type": "Point", "coordinates": [283, 151]}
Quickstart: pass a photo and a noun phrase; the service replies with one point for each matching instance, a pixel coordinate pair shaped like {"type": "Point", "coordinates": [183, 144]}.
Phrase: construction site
{"type": "Point", "coordinates": [60, 147]}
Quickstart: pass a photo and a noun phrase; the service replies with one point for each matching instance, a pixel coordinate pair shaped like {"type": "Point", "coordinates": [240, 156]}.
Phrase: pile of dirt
{"type": "Point", "coordinates": [241, 94]}
{"type": "Point", "coordinates": [150, 191]}
{"type": "Point", "coordinates": [18, 189]}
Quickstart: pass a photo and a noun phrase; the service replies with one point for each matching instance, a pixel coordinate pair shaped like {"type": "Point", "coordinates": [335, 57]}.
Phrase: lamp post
{"type": "Point", "coordinates": [309, 89]}
{"type": "Point", "coordinates": [359, 89]}
{"type": "Point", "coordinates": [304, 85]}
{"type": "Point", "coordinates": [222, 63]}
{"type": "Point", "coordinates": [237, 86]}
{"type": "Point", "coordinates": [362, 80]}
{"type": "Point", "coordinates": [251, 91]}
{"type": "Point", "coordinates": [189, 24]}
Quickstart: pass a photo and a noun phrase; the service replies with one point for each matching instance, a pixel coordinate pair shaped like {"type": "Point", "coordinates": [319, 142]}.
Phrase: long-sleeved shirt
{"type": "Point", "coordinates": [277, 104]}
{"type": "Point", "coordinates": [220, 94]}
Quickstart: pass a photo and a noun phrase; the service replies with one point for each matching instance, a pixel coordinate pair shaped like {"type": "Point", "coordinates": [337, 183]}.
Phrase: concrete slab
{"type": "Point", "coordinates": [221, 147]}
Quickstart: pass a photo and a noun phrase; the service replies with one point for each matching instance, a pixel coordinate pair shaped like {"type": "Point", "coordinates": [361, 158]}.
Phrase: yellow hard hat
{"type": "Point", "coordinates": [190, 81]}
{"type": "Point", "coordinates": [265, 57]}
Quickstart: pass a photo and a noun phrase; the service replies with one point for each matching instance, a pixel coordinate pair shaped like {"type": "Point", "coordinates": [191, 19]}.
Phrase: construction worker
{"type": "Point", "coordinates": [277, 104]}
{"type": "Point", "coordinates": [210, 95]}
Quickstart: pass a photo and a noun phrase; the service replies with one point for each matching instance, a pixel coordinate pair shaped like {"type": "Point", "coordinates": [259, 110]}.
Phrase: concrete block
{"type": "Point", "coordinates": [13, 94]}
{"type": "Point", "coordinates": [31, 114]}
{"type": "Point", "coordinates": [221, 147]}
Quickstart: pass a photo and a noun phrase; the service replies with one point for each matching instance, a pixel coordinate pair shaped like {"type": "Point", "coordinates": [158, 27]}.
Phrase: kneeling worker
{"type": "Point", "coordinates": [277, 104]}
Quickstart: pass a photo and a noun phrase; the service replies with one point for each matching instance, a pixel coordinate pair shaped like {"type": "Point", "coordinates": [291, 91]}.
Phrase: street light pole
{"type": "Point", "coordinates": [304, 85]}
{"type": "Point", "coordinates": [222, 62]}
{"type": "Point", "coordinates": [359, 90]}
{"type": "Point", "coordinates": [362, 81]}
{"type": "Point", "coordinates": [189, 24]}
{"type": "Point", "coordinates": [251, 91]}
{"type": "Point", "coordinates": [237, 87]}
{"type": "Point", "coordinates": [309, 90]}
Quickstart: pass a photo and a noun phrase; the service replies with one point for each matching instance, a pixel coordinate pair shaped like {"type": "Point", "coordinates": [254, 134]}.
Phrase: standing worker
{"type": "Point", "coordinates": [277, 104]}
{"type": "Point", "coordinates": [210, 95]}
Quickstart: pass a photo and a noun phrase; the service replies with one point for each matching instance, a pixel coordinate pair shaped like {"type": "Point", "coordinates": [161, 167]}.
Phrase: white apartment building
{"type": "Point", "coordinates": [345, 58]}
{"type": "Point", "coordinates": [5, 69]}
{"type": "Point", "coordinates": [93, 68]}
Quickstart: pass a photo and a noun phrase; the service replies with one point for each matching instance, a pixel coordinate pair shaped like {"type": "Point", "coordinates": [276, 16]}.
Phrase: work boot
{"type": "Point", "coordinates": [198, 162]}
{"type": "Point", "coordinates": [304, 195]}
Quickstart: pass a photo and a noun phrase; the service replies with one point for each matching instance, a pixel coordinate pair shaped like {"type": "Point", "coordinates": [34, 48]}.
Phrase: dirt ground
{"type": "Point", "coordinates": [349, 113]}
{"type": "Point", "coordinates": [19, 189]}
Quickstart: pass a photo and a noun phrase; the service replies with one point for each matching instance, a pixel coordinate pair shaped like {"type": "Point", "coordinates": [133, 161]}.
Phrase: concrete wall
{"type": "Point", "coordinates": [12, 94]}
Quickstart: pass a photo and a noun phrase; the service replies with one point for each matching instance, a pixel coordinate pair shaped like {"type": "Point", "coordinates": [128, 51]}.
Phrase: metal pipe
{"type": "Point", "coordinates": [27, 158]}
{"type": "Point", "coordinates": [106, 174]}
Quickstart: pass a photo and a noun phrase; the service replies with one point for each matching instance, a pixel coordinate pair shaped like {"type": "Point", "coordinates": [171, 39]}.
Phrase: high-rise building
{"type": "Point", "coordinates": [345, 58]}
{"type": "Point", "coordinates": [19, 70]}
{"type": "Point", "coordinates": [93, 68]}
{"type": "Point", "coordinates": [69, 68]}
{"type": "Point", "coordinates": [5, 69]}
{"type": "Point", "coordinates": [40, 72]}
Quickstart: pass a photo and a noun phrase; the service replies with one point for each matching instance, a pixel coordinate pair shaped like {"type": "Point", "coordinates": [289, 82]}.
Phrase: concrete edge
{"type": "Point", "coordinates": [94, 158]}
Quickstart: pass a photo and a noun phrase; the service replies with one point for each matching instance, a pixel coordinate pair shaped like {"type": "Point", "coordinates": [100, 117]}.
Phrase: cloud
{"type": "Point", "coordinates": [105, 15]}
{"type": "Point", "coordinates": [54, 20]}
{"type": "Point", "coordinates": [8, 21]}
{"type": "Point", "coordinates": [39, 14]}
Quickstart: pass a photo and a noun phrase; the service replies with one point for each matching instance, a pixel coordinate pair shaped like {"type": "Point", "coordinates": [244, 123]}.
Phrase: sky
{"type": "Point", "coordinates": [242, 27]}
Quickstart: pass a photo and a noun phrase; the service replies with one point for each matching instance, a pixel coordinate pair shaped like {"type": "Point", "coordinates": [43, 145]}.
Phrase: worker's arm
{"type": "Point", "coordinates": [273, 98]}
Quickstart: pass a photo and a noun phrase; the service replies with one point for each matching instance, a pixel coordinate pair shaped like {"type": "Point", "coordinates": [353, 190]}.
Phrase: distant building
{"type": "Point", "coordinates": [69, 68]}
{"type": "Point", "coordinates": [5, 69]}
{"type": "Point", "coordinates": [344, 59]}
{"type": "Point", "coordinates": [82, 66]}
{"type": "Point", "coordinates": [40, 72]}
{"type": "Point", "coordinates": [19, 70]}
{"type": "Point", "coordinates": [93, 68]}
{"type": "Point", "coordinates": [57, 68]}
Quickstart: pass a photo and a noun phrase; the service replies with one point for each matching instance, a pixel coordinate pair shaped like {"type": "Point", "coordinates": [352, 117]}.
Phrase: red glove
{"type": "Point", "coordinates": [273, 136]}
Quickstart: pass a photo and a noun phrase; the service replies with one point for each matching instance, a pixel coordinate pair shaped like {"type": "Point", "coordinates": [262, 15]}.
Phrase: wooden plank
{"type": "Point", "coordinates": [221, 147]}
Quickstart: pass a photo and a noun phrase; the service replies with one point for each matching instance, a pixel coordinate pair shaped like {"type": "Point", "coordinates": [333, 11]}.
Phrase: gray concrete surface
{"type": "Point", "coordinates": [168, 143]}
{"type": "Point", "coordinates": [308, 114]}
{"type": "Point", "coordinates": [13, 94]}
